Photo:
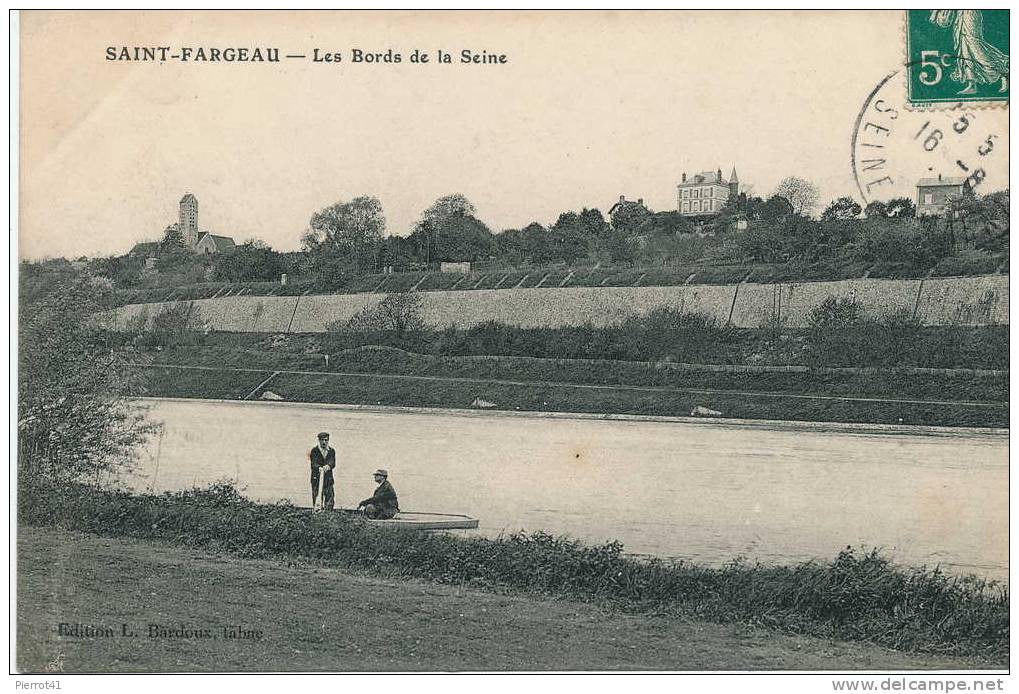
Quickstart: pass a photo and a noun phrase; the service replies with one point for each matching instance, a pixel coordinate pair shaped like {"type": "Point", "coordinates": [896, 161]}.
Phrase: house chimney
{"type": "Point", "coordinates": [622, 198]}
{"type": "Point", "coordinates": [684, 178]}
{"type": "Point", "coordinates": [939, 177]}
{"type": "Point", "coordinates": [640, 201]}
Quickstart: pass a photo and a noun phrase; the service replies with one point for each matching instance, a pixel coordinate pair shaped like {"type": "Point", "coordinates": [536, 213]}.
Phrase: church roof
{"type": "Point", "coordinates": [188, 197]}
{"type": "Point", "coordinates": [222, 243]}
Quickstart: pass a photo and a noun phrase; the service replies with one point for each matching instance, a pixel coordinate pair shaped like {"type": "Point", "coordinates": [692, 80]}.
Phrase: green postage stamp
{"type": "Point", "coordinates": [955, 56]}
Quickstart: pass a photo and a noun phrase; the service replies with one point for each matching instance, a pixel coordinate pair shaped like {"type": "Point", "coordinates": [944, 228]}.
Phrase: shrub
{"type": "Point", "coordinates": [398, 313]}
{"type": "Point", "coordinates": [176, 324]}
{"type": "Point", "coordinates": [831, 327]}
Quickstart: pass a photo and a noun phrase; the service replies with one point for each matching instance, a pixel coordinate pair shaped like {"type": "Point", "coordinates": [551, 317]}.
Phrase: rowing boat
{"type": "Point", "coordinates": [424, 521]}
{"type": "Point", "coordinates": [418, 519]}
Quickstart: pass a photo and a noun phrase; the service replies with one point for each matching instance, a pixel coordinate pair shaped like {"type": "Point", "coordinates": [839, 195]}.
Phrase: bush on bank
{"type": "Point", "coordinates": [668, 334]}
{"type": "Point", "coordinates": [859, 596]}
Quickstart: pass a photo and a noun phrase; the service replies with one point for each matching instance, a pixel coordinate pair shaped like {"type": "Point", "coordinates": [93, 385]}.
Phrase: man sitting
{"type": "Point", "coordinates": [383, 503]}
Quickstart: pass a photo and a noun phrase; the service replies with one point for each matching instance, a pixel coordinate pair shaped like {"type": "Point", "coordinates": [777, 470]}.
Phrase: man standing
{"type": "Point", "coordinates": [323, 461]}
{"type": "Point", "coordinates": [383, 503]}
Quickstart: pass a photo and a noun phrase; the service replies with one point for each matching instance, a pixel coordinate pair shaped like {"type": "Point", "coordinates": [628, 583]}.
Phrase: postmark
{"type": "Point", "coordinates": [955, 56]}
{"type": "Point", "coordinates": [899, 152]}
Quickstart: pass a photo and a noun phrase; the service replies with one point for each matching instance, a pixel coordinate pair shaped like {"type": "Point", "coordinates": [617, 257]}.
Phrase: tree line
{"type": "Point", "coordinates": [350, 238]}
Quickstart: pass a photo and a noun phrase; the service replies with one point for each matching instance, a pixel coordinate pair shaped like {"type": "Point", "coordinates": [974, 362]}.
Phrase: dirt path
{"type": "Point", "coordinates": [314, 619]}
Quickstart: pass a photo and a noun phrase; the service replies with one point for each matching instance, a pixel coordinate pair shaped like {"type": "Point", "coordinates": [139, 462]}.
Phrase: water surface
{"type": "Point", "coordinates": [707, 491]}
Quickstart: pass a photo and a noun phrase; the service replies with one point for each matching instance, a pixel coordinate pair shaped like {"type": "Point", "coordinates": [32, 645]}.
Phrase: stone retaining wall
{"type": "Point", "coordinates": [937, 301]}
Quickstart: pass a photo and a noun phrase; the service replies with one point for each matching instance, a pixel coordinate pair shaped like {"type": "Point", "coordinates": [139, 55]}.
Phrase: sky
{"type": "Point", "coordinates": [588, 107]}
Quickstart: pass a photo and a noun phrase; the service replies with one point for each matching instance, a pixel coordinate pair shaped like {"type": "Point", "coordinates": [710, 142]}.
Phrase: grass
{"type": "Point", "coordinates": [668, 337]}
{"type": "Point", "coordinates": [888, 382]}
{"type": "Point", "coordinates": [858, 596]}
{"type": "Point", "coordinates": [549, 385]}
{"type": "Point", "coordinates": [315, 618]}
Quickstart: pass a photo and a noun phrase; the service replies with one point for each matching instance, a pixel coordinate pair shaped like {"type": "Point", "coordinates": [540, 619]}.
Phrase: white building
{"type": "Point", "coordinates": [705, 193]}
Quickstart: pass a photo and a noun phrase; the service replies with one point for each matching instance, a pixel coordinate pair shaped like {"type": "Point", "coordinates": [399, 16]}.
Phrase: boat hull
{"type": "Point", "coordinates": [418, 519]}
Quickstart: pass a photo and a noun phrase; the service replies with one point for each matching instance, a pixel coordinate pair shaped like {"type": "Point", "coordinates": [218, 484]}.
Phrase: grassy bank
{"type": "Point", "coordinates": [395, 377]}
{"type": "Point", "coordinates": [664, 335]}
{"type": "Point", "coordinates": [315, 618]}
{"type": "Point", "coordinates": [858, 596]}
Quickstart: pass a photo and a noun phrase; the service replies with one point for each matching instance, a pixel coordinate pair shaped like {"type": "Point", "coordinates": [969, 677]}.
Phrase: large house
{"type": "Point", "coordinates": [934, 194]}
{"type": "Point", "coordinates": [193, 237]}
{"type": "Point", "coordinates": [705, 193]}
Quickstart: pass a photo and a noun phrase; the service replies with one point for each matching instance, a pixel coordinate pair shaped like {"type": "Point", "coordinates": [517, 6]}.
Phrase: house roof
{"type": "Point", "coordinates": [705, 177]}
{"type": "Point", "coordinates": [222, 243]}
{"type": "Point", "coordinates": [146, 247]}
{"type": "Point", "coordinates": [943, 181]}
{"type": "Point", "coordinates": [623, 202]}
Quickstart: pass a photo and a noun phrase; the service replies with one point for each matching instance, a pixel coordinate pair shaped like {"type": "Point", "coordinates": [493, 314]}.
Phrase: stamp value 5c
{"type": "Point", "coordinates": [957, 56]}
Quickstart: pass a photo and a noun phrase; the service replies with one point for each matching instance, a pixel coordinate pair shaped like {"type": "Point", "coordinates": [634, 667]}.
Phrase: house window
{"type": "Point", "coordinates": [696, 206]}
{"type": "Point", "coordinates": [928, 199]}
{"type": "Point", "coordinates": [686, 193]}
{"type": "Point", "coordinates": [686, 207]}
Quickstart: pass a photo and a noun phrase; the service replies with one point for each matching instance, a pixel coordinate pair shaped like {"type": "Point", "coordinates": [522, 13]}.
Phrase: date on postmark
{"type": "Point", "coordinates": [955, 56]}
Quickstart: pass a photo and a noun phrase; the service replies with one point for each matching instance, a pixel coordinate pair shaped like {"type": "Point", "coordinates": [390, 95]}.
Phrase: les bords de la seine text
{"type": "Point", "coordinates": [260, 54]}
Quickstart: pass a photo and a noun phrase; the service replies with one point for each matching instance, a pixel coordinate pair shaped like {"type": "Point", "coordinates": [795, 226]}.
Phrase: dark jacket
{"type": "Point", "coordinates": [384, 498]}
{"type": "Point", "coordinates": [318, 461]}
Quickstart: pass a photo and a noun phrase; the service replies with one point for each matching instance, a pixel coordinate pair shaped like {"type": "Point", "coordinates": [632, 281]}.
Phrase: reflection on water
{"type": "Point", "coordinates": [706, 492]}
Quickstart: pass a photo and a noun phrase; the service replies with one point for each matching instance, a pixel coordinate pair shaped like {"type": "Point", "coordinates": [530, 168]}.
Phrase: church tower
{"type": "Point", "coordinates": [189, 220]}
{"type": "Point", "coordinates": [733, 184]}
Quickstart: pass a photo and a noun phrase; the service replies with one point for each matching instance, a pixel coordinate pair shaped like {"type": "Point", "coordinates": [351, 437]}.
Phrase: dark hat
{"type": "Point", "coordinates": [384, 473]}
{"type": "Point", "coordinates": [323, 434]}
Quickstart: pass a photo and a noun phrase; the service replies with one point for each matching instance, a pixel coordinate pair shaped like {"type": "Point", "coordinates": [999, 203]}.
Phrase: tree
{"type": "Point", "coordinates": [124, 271]}
{"type": "Point", "coordinates": [800, 193]}
{"type": "Point", "coordinates": [74, 420]}
{"type": "Point", "coordinates": [896, 208]}
{"type": "Point", "coordinates": [631, 218]}
{"type": "Point", "coordinates": [985, 219]}
{"type": "Point", "coordinates": [399, 252]}
{"type": "Point", "coordinates": [455, 204]}
{"type": "Point", "coordinates": [841, 209]}
{"type": "Point", "coordinates": [876, 210]}
{"type": "Point", "coordinates": [618, 247]}
{"type": "Point", "coordinates": [172, 239]}
{"type": "Point", "coordinates": [534, 243]}
{"type": "Point", "coordinates": [773, 209]}
{"type": "Point", "coordinates": [762, 242]}
{"type": "Point", "coordinates": [672, 222]}
{"type": "Point", "coordinates": [462, 238]}
{"type": "Point", "coordinates": [901, 208]}
{"type": "Point", "coordinates": [568, 239]}
{"type": "Point", "coordinates": [593, 221]}
{"type": "Point", "coordinates": [449, 232]}
{"type": "Point", "coordinates": [352, 230]}
{"type": "Point", "coordinates": [252, 261]}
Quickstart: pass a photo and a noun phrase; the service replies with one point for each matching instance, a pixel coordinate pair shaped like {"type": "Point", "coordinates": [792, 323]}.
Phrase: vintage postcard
{"type": "Point", "coordinates": [525, 341]}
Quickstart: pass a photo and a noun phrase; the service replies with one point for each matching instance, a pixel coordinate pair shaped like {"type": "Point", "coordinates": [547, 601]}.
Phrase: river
{"type": "Point", "coordinates": [705, 491]}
